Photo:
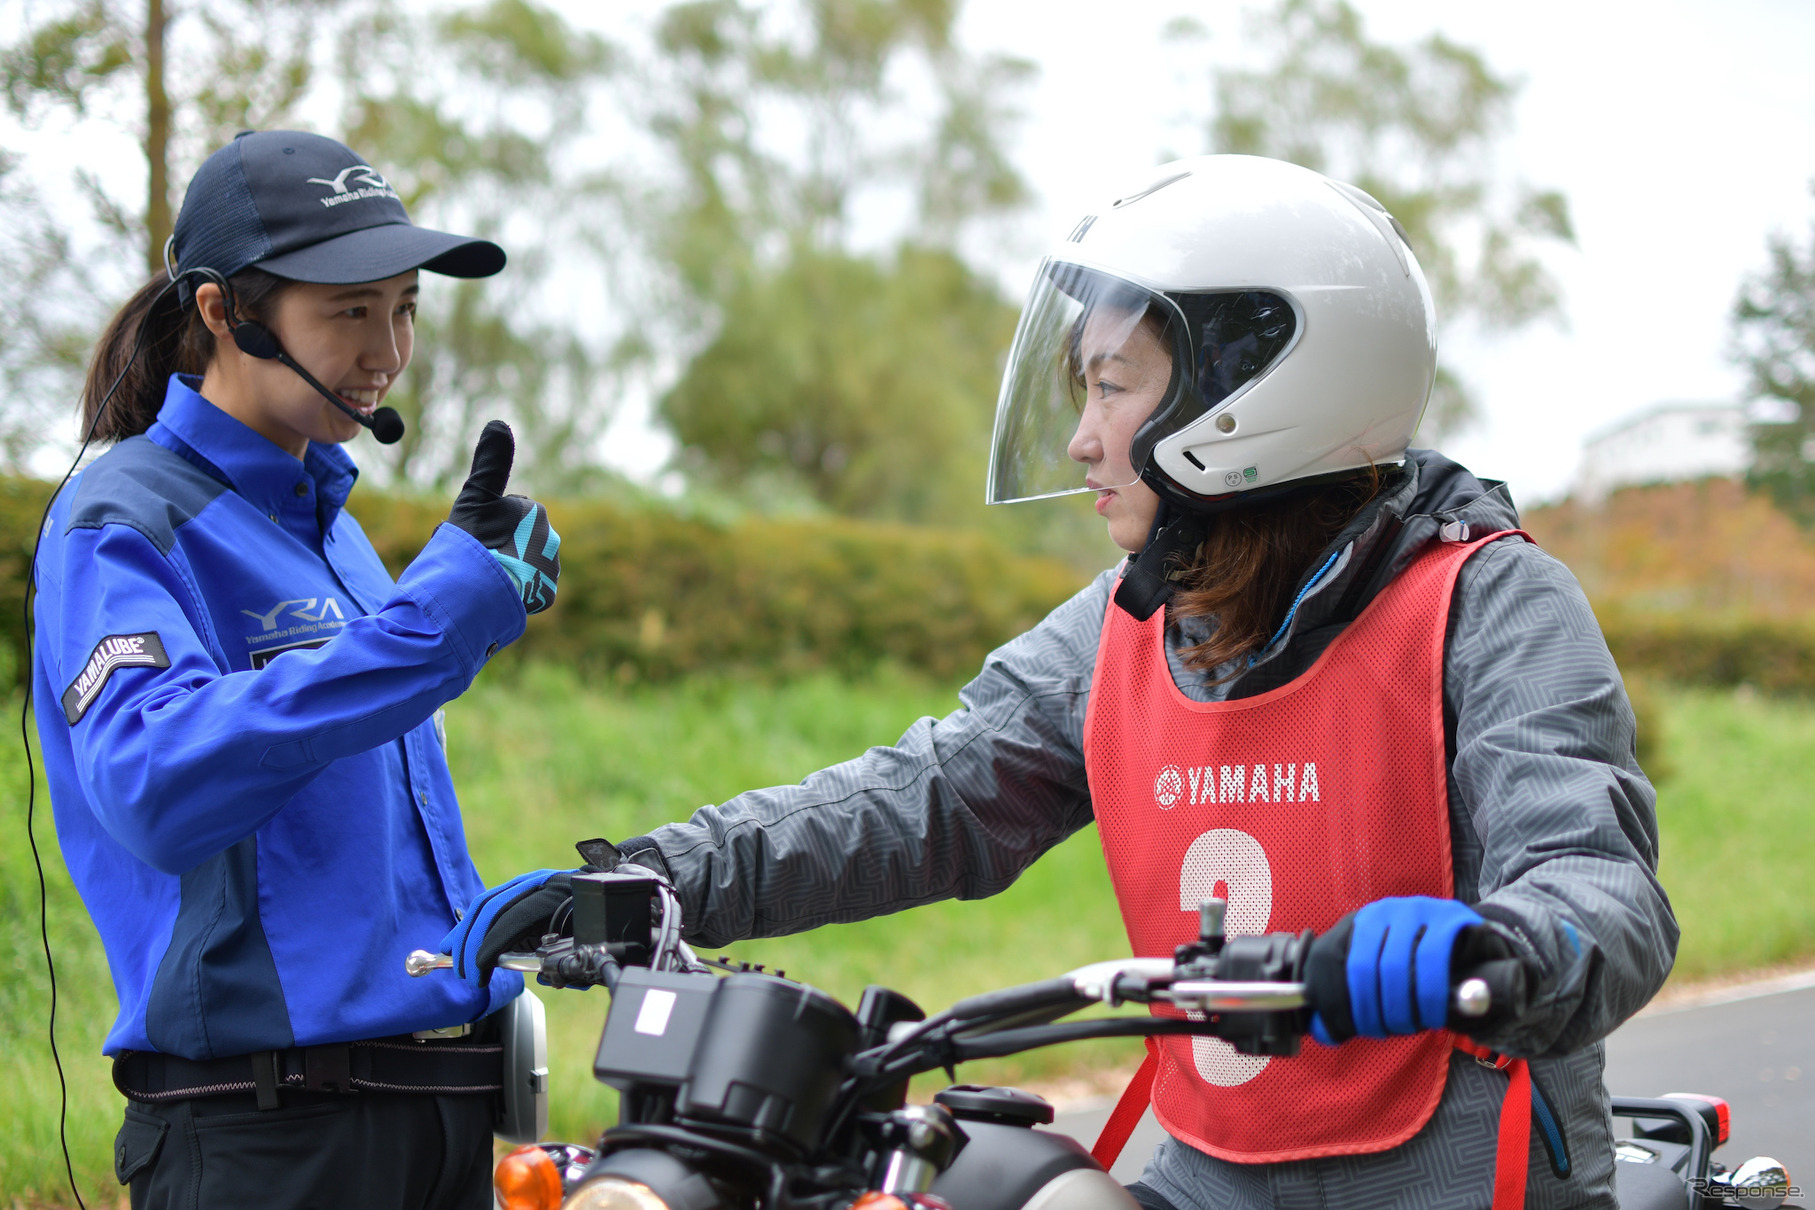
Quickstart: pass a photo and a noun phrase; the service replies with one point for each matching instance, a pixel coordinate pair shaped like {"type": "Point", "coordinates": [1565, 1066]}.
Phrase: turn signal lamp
{"type": "Point", "coordinates": [614, 1193]}
{"type": "Point", "coordinates": [876, 1200]}
{"type": "Point", "coordinates": [527, 1179]}
{"type": "Point", "coordinates": [1723, 1116]}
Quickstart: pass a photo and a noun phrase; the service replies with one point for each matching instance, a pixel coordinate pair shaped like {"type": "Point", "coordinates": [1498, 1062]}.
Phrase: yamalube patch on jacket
{"type": "Point", "coordinates": [115, 651]}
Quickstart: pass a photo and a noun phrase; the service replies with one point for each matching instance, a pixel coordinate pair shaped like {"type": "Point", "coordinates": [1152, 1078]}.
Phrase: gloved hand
{"type": "Point", "coordinates": [1392, 959]}
{"type": "Point", "coordinates": [510, 917]}
{"type": "Point", "coordinates": [514, 528]}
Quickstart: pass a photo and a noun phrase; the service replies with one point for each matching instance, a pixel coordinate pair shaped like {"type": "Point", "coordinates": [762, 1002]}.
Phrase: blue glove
{"type": "Point", "coordinates": [514, 912]}
{"type": "Point", "coordinates": [1397, 968]}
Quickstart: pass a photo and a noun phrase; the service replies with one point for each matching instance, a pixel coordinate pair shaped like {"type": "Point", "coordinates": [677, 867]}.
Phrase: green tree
{"type": "Point", "coordinates": [105, 60]}
{"type": "Point", "coordinates": [827, 374]}
{"type": "Point", "coordinates": [1773, 338]}
{"type": "Point", "coordinates": [861, 383]}
{"type": "Point", "coordinates": [475, 112]}
{"type": "Point", "coordinates": [1417, 127]}
{"type": "Point", "coordinates": [470, 110]}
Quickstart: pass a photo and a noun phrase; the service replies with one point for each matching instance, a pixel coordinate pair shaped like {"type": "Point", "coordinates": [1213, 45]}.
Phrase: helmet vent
{"type": "Point", "coordinates": [1158, 185]}
{"type": "Point", "coordinates": [1081, 230]}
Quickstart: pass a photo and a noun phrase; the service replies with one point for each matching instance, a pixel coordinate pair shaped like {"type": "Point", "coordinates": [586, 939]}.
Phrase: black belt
{"type": "Point", "coordinates": [401, 1064]}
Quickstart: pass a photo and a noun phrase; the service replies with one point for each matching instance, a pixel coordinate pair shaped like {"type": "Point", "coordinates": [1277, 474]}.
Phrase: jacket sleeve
{"type": "Point", "coordinates": [956, 809]}
{"type": "Point", "coordinates": [181, 762]}
{"type": "Point", "coordinates": [1566, 821]}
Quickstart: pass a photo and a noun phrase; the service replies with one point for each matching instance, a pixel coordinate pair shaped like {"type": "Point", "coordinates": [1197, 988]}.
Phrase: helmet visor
{"type": "Point", "coordinates": [1091, 361]}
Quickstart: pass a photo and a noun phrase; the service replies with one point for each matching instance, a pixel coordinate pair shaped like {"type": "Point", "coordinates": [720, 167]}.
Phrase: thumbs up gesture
{"type": "Point", "coordinates": [514, 528]}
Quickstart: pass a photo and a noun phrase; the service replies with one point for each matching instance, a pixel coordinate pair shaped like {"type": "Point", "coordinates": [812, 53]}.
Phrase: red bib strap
{"type": "Point", "coordinates": [1127, 1113]}
{"type": "Point", "coordinates": [1514, 1151]}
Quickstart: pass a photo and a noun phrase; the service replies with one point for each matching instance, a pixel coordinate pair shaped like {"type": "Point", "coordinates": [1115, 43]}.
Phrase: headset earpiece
{"type": "Point", "coordinates": [255, 339]}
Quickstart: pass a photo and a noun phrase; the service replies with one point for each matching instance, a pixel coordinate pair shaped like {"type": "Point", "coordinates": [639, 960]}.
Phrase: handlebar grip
{"type": "Point", "coordinates": [1472, 998]}
{"type": "Point", "coordinates": [1487, 993]}
{"type": "Point", "coordinates": [1048, 993]}
{"type": "Point", "coordinates": [421, 962]}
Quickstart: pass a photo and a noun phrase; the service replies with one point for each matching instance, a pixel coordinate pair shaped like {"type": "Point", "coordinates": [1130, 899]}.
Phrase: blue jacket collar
{"type": "Point", "coordinates": [266, 476]}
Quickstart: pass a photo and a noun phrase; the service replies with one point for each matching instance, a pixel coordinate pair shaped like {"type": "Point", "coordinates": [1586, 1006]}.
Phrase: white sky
{"type": "Point", "coordinates": [1682, 133]}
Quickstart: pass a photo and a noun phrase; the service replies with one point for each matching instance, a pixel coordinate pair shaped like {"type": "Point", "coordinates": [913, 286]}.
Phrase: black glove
{"type": "Point", "coordinates": [514, 528]}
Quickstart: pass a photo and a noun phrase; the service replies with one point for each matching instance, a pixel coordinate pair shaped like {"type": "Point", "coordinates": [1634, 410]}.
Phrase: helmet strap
{"type": "Point", "coordinates": [1152, 575]}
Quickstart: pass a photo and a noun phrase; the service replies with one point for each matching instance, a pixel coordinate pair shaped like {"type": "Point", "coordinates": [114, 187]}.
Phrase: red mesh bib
{"type": "Point", "coordinates": [1296, 806]}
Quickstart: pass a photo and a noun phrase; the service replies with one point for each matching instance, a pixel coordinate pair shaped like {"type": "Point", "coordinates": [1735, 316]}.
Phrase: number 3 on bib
{"type": "Point", "coordinates": [1230, 864]}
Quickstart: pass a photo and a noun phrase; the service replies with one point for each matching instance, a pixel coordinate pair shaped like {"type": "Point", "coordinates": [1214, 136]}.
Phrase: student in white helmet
{"type": "Point", "coordinates": [1332, 678]}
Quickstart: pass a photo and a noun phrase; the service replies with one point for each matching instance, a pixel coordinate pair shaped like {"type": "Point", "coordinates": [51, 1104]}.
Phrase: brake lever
{"type": "Point", "coordinates": [1105, 982]}
{"type": "Point", "coordinates": [421, 962]}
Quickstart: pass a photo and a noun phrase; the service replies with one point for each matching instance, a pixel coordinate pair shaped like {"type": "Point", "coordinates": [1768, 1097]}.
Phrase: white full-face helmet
{"type": "Point", "coordinates": [1301, 330]}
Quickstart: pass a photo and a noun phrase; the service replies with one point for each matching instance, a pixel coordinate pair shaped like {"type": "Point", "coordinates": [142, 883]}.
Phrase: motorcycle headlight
{"type": "Point", "coordinates": [614, 1193]}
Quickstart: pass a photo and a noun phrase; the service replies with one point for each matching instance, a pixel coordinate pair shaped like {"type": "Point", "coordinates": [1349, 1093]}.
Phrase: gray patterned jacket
{"type": "Point", "coordinates": [1552, 822]}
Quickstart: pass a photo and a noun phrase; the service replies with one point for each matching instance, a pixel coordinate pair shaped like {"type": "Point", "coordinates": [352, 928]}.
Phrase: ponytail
{"type": "Point", "coordinates": [175, 341]}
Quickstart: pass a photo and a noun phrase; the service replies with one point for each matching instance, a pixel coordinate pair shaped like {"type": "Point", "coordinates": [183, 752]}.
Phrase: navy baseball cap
{"type": "Point", "coordinates": [307, 208]}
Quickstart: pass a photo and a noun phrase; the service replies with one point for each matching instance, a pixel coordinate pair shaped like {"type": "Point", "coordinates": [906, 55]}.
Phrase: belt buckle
{"type": "Point", "coordinates": [447, 1031]}
{"type": "Point", "coordinates": [328, 1068]}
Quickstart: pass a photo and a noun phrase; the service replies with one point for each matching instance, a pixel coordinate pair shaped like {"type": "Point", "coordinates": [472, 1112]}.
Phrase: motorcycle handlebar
{"type": "Point", "coordinates": [1047, 993]}
{"type": "Point", "coordinates": [1114, 983]}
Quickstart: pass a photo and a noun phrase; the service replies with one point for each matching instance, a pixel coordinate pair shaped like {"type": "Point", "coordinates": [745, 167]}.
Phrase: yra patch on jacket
{"type": "Point", "coordinates": [113, 652]}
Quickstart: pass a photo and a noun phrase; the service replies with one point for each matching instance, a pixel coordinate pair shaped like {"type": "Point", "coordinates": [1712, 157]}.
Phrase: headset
{"type": "Point", "coordinates": [255, 340]}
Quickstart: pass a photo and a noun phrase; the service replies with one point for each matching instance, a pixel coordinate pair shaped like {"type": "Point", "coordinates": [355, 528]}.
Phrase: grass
{"type": "Point", "coordinates": [542, 761]}
{"type": "Point", "coordinates": [1737, 815]}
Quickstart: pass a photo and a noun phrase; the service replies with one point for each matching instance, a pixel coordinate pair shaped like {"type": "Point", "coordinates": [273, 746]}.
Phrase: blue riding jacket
{"type": "Point", "coordinates": [239, 716]}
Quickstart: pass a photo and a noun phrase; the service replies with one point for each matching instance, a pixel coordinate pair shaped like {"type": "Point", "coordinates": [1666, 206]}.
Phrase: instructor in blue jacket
{"type": "Point", "coordinates": [239, 708]}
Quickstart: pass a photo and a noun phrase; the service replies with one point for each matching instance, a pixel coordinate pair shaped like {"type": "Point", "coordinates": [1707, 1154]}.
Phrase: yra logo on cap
{"type": "Point", "coordinates": [369, 182]}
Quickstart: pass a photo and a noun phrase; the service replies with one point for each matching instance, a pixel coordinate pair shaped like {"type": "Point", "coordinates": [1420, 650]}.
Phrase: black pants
{"type": "Point", "coordinates": [377, 1150]}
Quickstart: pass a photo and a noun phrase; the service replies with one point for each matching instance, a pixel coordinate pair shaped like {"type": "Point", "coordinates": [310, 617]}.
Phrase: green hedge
{"type": "Point", "coordinates": [1774, 655]}
{"type": "Point", "coordinates": [646, 593]}
{"type": "Point", "coordinates": [649, 594]}
{"type": "Point", "coordinates": [21, 504]}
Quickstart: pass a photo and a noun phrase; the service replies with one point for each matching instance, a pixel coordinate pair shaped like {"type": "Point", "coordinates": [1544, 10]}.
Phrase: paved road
{"type": "Point", "coordinates": [1758, 1053]}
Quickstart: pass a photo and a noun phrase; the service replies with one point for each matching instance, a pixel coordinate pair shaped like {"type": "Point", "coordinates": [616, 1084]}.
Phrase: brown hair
{"type": "Point", "coordinates": [1252, 560]}
{"type": "Point", "coordinates": [175, 341]}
